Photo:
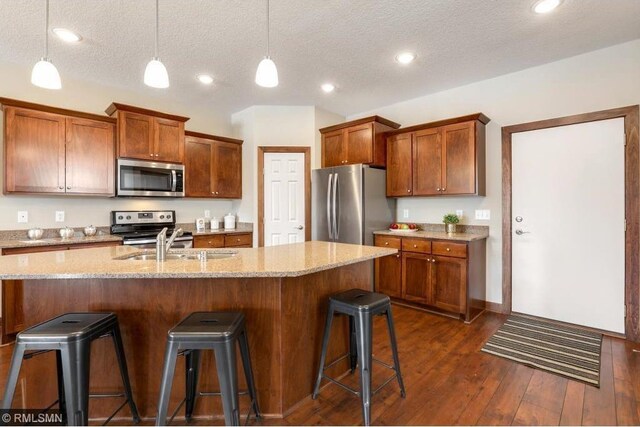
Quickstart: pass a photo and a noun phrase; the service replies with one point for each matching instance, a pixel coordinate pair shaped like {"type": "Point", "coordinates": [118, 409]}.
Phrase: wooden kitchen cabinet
{"type": "Point", "coordinates": [56, 151]}
{"type": "Point", "coordinates": [148, 135]}
{"type": "Point", "coordinates": [213, 166]}
{"type": "Point", "coordinates": [358, 141]}
{"type": "Point", "coordinates": [229, 240]}
{"type": "Point", "coordinates": [443, 276]}
{"type": "Point", "coordinates": [447, 158]}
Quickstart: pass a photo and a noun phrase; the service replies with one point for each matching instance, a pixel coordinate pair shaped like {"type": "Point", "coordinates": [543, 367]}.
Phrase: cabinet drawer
{"type": "Point", "coordinates": [215, 241]}
{"type": "Point", "coordinates": [416, 245]}
{"type": "Point", "coordinates": [450, 249]}
{"type": "Point", "coordinates": [387, 242]}
{"type": "Point", "coordinates": [238, 240]}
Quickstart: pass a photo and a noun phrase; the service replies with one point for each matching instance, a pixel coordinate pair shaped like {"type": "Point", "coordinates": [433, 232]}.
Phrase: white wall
{"type": "Point", "coordinates": [598, 80]}
{"type": "Point", "coordinates": [272, 125]}
{"type": "Point", "coordinates": [92, 98]}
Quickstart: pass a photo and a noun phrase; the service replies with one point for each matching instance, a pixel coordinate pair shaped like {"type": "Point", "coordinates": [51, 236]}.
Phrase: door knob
{"type": "Point", "coordinates": [300, 227]}
{"type": "Point", "coordinates": [520, 232]}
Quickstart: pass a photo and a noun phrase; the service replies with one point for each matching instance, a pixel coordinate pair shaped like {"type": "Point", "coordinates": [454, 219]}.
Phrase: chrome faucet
{"type": "Point", "coordinates": [163, 245]}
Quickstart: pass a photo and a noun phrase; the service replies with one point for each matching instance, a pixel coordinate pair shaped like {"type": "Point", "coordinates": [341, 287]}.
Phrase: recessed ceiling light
{"type": "Point", "coordinates": [405, 58]}
{"type": "Point", "coordinates": [205, 79]}
{"type": "Point", "coordinates": [67, 36]}
{"type": "Point", "coordinates": [545, 6]}
{"type": "Point", "coordinates": [328, 88]}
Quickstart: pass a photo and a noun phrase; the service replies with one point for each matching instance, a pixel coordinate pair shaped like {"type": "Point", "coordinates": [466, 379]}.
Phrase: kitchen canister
{"type": "Point", "coordinates": [215, 223]}
{"type": "Point", "coordinates": [200, 227]}
{"type": "Point", "coordinates": [229, 222]}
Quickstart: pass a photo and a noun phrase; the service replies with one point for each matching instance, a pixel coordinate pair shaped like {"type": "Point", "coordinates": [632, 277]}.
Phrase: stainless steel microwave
{"type": "Point", "coordinates": [139, 178]}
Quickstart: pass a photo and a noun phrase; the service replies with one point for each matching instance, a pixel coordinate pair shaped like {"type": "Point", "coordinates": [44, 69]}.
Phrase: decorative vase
{"type": "Point", "coordinates": [451, 228]}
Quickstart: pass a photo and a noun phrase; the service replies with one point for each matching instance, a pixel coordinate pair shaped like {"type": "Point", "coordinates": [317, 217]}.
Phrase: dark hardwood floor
{"type": "Point", "coordinates": [450, 382]}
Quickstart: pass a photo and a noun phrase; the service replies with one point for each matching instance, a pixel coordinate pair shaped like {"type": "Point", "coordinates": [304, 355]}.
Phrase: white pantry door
{"type": "Point", "coordinates": [568, 236]}
{"type": "Point", "coordinates": [284, 201]}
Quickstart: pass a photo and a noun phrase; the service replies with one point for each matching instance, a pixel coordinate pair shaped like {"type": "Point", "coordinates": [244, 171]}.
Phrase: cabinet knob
{"type": "Point", "coordinates": [210, 242]}
{"type": "Point", "coordinates": [415, 246]}
{"type": "Point", "coordinates": [386, 243]}
{"type": "Point", "coordinates": [398, 256]}
{"type": "Point", "coordinates": [238, 240]}
{"type": "Point", "coordinates": [438, 189]}
{"type": "Point", "coordinates": [444, 189]}
{"type": "Point", "coordinates": [448, 249]}
{"type": "Point", "coordinates": [433, 260]}
{"type": "Point", "coordinates": [151, 154]}
{"type": "Point", "coordinates": [60, 188]}
{"type": "Point", "coordinates": [68, 187]}
{"type": "Point", "coordinates": [217, 192]}
{"type": "Point", "coordinates": [408, 191]}
{"type": "Point", "coordinates": [213, 192]}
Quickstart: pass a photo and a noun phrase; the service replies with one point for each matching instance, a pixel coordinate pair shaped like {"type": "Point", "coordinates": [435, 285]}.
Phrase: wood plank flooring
{"type": "Point", "coordinates": [450, 382]}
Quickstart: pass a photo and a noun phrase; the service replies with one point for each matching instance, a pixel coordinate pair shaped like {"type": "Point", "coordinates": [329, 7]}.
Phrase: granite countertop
{"type": "Point", "coordinates": [436, 235]}
{"type": "Point", "coordinates": [291, 260]}
{"type": "Point", "coordinates": [241, 227]}
{"type": "Point", "coordinates": [54, 241]}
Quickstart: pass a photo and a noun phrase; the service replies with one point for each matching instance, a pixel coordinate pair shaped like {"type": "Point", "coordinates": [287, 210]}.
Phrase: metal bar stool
{"type": "Point", "coordinates": [70, 336]}
{"type": "Point", "coordinates": [217, 331]}
{"type": "Point", "coordinates": [360, 306]}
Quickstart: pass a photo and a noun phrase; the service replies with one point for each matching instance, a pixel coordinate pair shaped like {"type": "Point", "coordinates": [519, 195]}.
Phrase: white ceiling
{"type": "Point", "coordinates": [351, 43]}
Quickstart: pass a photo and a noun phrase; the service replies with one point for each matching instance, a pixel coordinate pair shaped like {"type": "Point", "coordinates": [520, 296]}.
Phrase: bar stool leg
{"type": "Point", "coordinates": [192, 367]}
{"type": "Point", "coordinates": [75, 371]}
{"type": "Point", "coordinates": [228, 378]}
{"type": "Point", "coordinates": [124, 372]}
{"type": "Point", "coordinates": [248, 371]}
{"type": "Point", "coordinates": [364, 337]}
{"type": "Point", "coordinates": [61, 400]}
{"type": "Point", "coordinates": [394, 349]}
{"type": "Point", "coordinates": [323, 354]}
{"type": "Point", "coordinates": [14, 372]}
{"type": "Point", "coordinates": [170, 357]}
{"type": "Point", "coordinates": [353, 346]}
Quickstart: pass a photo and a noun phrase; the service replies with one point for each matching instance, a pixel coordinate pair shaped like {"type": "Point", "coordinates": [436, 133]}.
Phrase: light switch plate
{"type": "Point", "coordinates": [483, 214]}
{"type": "Point", "coordinates": [207, 213]}
{"type": "Point", "coordinates": [405, 213]}
{"type": "Point", "coordinates": [59, 216]}
{"type": "Point", "coordinates": [23, 216]}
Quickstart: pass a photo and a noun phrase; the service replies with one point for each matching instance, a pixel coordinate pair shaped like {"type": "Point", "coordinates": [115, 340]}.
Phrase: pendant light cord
{"type": "Point", "coordinates": [268, 29]}
{"type": "Point", "coordinates": [157, 31]}
{"type": "Point", "coordinates": [46, 31]}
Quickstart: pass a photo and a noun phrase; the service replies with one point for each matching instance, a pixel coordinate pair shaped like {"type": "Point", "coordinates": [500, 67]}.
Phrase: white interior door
{"type": "Point", "coordinates": [568, 241]}
{"type": "Point", "coordinates": [284, 200]}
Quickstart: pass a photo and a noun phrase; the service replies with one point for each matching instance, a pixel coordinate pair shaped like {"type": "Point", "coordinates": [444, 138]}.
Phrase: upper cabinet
{"type": "Point", "coordinates": [213, 166]}
{"type": "Point", "coordinates": [148, 135]}
{"type": "Point", "coordinates": [440, 158]}
{"type": "Point", "coordinates": [358, 141]}
{"type": "Point", "coordinates": [56, 151]}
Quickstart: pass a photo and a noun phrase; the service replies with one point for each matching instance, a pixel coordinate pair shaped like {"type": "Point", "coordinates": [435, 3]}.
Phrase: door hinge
{"type": "Point", "coordinates": [625, 139]}
{"type": "Point", "coordinates": [625, 224]}
{"type": "Point", "coordinates": [625, 310]}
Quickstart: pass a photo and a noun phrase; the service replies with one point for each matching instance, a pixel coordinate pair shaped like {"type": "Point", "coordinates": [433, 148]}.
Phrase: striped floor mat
{"type": "Point", "coordinates": [562, 350]}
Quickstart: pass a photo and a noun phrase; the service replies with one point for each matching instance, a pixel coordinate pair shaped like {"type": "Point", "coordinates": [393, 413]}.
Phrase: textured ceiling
{"type": "Point", "coordinates": [351, 43]}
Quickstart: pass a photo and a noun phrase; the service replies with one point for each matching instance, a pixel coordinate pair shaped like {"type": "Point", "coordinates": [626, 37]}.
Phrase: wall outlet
{"type": "Point", "coordinates": [59, 216]}
{"type": "Point", "coordinates": [207, 213]}
{"type": "Point", "coordinates": [483, 214]}
{"type": "Point", "coordinates": [23, 216]}
{"type": "Point", "coordinates": [405, 213]}
{"type": "Point", "coordinates": [460, 213]}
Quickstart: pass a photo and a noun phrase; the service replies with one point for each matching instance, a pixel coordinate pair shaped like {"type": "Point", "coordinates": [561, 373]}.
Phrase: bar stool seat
{"type": "Point", "coordinates": [217, 331]}
{"type": "Point", "coordinates": [70, 336]}
{"type": "Point", "coordinates": [360, 306]}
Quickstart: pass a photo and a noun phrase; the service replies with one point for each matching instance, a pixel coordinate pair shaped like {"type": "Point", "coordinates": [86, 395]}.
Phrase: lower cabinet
{"type": "Point", "coordinates": [440, 275]}
{"type": "Point", "coordinates": [12, 292]}
{"type": "Point", "coordinates": [230, 240]}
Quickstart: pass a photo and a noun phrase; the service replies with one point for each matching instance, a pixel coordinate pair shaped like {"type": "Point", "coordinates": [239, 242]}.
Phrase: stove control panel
{"type": "Point", "coordinates": [142, 217]}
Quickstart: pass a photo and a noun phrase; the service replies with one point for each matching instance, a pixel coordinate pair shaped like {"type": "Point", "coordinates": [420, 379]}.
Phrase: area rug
{"type": "Point", "coordinates": [562, 350]}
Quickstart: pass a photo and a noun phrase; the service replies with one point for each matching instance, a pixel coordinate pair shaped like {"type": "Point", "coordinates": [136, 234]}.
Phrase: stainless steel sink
{"type": "Point", "coordinates": [186, 256]}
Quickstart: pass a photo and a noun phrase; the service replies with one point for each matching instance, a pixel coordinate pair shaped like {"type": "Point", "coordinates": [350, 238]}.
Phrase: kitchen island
{"type": "Point", "coordinates": [282, 291]}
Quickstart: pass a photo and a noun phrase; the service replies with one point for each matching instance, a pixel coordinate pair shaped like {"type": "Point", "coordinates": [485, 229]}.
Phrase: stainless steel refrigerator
{"type": "Point", "coordinates": [350, 203]}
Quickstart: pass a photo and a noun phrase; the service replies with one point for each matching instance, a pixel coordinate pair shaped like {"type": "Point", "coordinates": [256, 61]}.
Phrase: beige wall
{"type": "Point", "coordinates": [595, 81]}
{"type": "Point", "coordinates": [94, 98]}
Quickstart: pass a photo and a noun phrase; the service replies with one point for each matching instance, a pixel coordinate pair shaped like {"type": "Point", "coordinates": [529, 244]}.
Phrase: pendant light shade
{"type": "Point", "coordinates": [155, 75]}
{"type": "Point", "coordinates": [44, 73]}
{"type": "Point", "coordinates": [267, 73]}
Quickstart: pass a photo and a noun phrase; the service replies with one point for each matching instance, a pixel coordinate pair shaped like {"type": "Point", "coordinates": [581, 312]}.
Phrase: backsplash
{"type": "Point", "coordinates": [462, 228]}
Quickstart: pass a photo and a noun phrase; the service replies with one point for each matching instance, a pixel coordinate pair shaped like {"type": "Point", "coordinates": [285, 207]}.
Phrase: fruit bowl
{"type": "Point", "coordinates": [406, 230]}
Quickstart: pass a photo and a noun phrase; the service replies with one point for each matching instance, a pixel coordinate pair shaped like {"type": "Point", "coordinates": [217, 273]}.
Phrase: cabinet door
{"type": "Point", "coordinates": [333, 149]}
{"type": "Point", "coordinates": [399, 165]}
{"type": "Point", "coordinates": [416, 269]}
{"type": "Point", "coordinates": [459, 159]}
{"type": "Point", "coordinates": [135, 136]}
{"type": "Point", "coordinates": [198, 165]}
{"type": "Point", "coordinates": [227, 170]}
{"type": "Point", "coordinates": [448, 283]}
{"type": "Point", "coordinates": [168, 140]}
{"type": "Point", "coordinates": [427, 162]}
{"type": "Point", "coordinates": [34, 151]}
{"type": "Point", "coordinates": [388, 275]}
{"type": "Point", "coordinates": [359, 144]}
{"type": "Point", "coordinates": [90, 157]}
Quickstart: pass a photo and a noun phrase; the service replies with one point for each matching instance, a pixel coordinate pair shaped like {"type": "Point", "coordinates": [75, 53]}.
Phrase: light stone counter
{"type": "Point", "coordinates": [291, 260]}
{"type": "Point", "coordinates": [55, 241]}
{"type": "Point", "coordinates": [435, 235]}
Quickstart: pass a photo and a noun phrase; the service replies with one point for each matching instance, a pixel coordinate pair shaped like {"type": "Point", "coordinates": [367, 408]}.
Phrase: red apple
{"type": "Point", "coordinates": [393, 226]}
{"type": "Point", "coordinates": [412, 226]}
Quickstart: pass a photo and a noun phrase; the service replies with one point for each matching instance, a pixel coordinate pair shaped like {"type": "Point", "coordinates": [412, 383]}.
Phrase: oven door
{"type": "Point", "coordinates": [149, 179]}
{"type": "Point", "coordinates": [185, 242]}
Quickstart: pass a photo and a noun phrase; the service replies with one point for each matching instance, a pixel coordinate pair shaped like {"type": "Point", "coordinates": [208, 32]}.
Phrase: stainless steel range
{"type": "Point", "coordinates": [140, 228]}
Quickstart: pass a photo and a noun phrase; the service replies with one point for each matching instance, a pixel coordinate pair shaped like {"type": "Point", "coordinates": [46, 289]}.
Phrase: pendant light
{"type": "Point", "coordinates": [267, 74]}
{"type": "Point", "coordinates": [44, 73]}
{"type": "Point", "coordinates": [155, 75]}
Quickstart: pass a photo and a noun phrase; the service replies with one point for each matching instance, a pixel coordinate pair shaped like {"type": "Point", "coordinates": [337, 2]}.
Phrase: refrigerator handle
{"type": "Point", "coordinates": [329, 219]}
{"type": "Point", "coordinates": [334, 206]}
